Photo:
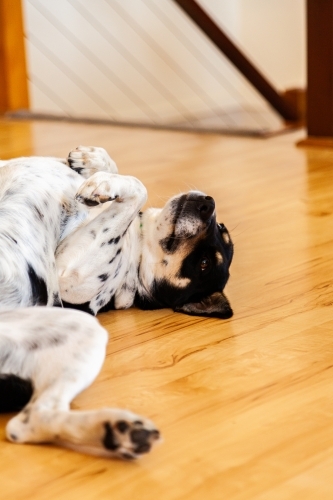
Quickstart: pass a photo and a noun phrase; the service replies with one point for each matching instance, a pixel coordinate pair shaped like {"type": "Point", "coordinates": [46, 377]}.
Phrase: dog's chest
{"type": "Point", "coordinates": [39, 195]}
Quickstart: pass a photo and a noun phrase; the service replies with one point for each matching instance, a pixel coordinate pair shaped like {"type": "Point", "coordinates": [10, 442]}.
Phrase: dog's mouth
{"type": "Point", "coordinates": [193, 204]}
{"type": "Point", "coordinates": [190, 214]}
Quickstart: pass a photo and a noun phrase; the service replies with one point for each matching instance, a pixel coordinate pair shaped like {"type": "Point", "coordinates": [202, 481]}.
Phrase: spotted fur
{"type": "Point", "coordinates": [75, 238]}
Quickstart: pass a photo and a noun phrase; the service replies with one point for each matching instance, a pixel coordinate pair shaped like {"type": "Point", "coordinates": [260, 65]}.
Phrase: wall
{"type": "Point", "coordinates": [144, 61]}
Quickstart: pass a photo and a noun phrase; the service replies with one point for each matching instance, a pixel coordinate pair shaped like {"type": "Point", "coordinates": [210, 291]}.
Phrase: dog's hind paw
{"type": "Point", "coordinates": [129, 439]}
{"type": "Point", "coordinates": [112, 433]}
{"type": "Point", "coordinates": [86, 161]}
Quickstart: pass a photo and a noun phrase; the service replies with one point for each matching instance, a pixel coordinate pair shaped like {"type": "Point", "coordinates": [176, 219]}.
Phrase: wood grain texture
{"type": "Point", "coordinates": [245, 405]}
{"type": "Point", "coordinates": [13, 70]}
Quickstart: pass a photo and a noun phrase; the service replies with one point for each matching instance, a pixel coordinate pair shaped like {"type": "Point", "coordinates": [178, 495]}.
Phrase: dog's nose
{"type": "Point", "coordinates": [206, 207]}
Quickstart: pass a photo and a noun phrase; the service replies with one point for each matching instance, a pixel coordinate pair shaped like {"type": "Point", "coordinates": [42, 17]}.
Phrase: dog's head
{"type": "Point", "coordinates": [186, 258]}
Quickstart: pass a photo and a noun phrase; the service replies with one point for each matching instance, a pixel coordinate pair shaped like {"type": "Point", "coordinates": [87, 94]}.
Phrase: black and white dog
{"type": "Point", "coordinates": [75, 238]}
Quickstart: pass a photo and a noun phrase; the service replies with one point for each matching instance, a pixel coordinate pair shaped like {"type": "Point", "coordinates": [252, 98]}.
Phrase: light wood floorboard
{"type": "Point", "coordinates": [245, 405]}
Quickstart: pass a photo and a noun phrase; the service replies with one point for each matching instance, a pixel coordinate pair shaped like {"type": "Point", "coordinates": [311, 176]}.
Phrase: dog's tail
{"type": "Point", "coordinates": [15, 393]}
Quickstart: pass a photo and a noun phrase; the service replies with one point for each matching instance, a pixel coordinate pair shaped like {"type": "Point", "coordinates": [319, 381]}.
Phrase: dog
{"type": "Point", "coordinates": [73, 236]}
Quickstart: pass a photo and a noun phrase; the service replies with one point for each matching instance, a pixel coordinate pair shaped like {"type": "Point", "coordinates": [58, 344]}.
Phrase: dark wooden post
{"type": "Point", "coordinates": [319, 73]}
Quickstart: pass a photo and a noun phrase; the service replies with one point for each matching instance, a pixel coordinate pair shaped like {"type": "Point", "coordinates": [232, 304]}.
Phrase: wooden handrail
{"type": "Point", "coordinates": [242, 63]}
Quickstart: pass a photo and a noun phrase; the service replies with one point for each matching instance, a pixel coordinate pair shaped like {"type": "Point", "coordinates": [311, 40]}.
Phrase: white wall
{"type": "Point", "coordinates": [144, 61]}
{"type": "Point", "coordinates": [271, 32]}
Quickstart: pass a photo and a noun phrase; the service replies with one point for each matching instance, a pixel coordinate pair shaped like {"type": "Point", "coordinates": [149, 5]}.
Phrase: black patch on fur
{"type": "Point", "coordinates": [122, 426]}
{"type": "Point", "coordinates": [187, 205]}
{"type": "Point", "coordinates": [114, 241]}
{"type": "Point", "coordinates": [9, 237]}
{"type": "Point", "coordinates": [57, 300]}
{"type": "Point", "coordinates": [85, 307]}
{"type": "Point", "coordinates": [64, 217]}
{"type": "Point", "coordinates": [202, 283]}
{"type": "Point", "coordinates": [40, 216]}
{"type": "Point", "coordinates": [117, 253]}
{"type": "Point", "coordinates": [38, 288]}
{"type": "Point", "coordinates": [108, 307]}
{"type": "Point", "coordinates": [117, 270]}
{"type": "Point", "coordinates": [103, 277]}
{"type": "Point", "coordinates": [109, 440]}
{"type": "Point", "coordinates": [147, 303]}
{"type": "Point", "coordinates": [140, 437]}
{"type": "Point", "coordinates": [71, 164]}
{"type": "Point", "coordinates": [126, 229]}
{"type": "Point", "coordinates": [15, 393]}
{"type": "Point", "coordinates": [77, 169]}
{"type": "Point", "coordinates": [171, 243]}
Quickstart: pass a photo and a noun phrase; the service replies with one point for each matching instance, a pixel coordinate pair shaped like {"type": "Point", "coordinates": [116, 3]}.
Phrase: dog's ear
{"type": "Point", "coordinates": [214, 306]}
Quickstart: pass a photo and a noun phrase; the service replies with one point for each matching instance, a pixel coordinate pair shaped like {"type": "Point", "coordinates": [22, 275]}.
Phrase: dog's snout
{"type": "Point", "coordinates": [206, 207]}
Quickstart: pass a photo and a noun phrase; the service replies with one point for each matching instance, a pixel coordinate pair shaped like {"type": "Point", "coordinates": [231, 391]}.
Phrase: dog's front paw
{"type": "Point", "coordinates": [99, 188]}
{"type": "Point", "coordinates": [86, 161]}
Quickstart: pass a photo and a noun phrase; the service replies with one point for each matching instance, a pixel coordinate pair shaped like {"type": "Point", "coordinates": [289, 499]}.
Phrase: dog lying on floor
{"type": "Point", "coordinates": [72, 235]}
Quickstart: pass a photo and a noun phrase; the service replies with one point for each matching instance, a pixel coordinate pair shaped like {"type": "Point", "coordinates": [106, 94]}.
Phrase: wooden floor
{"type": "Point", "coordinates": [245, 405]}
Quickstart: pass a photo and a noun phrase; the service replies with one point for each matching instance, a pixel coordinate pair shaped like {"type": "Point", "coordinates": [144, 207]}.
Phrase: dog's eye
{"type": "Point", "coordinates": [204, 263]}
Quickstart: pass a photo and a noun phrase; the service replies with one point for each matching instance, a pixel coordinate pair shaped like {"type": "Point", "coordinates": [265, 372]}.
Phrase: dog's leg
{"type": "Point", "coordinates": [62, 361]}
{"type": "Point", "coordinates": [87, 160]}
{"type": "Point", "coordinates": [91, 261]}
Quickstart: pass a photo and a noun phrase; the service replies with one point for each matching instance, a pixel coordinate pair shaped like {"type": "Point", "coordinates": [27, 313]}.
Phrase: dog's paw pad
{"type": "Point", "coordinates": [95, 199]}
{"type": "Point", "coordinates": [129, 439]}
